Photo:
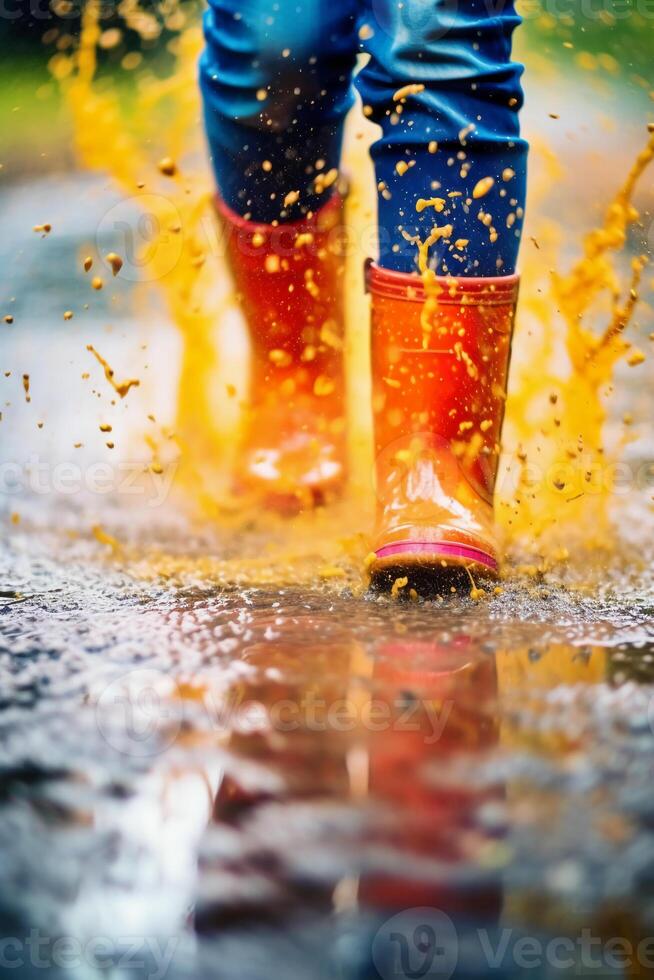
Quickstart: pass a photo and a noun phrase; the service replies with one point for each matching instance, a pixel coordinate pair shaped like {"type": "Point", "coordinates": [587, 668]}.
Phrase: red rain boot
{"type": "Point", "coordinates": [289, 280]}
{"type": "Point", "coordinates": [439, 363]}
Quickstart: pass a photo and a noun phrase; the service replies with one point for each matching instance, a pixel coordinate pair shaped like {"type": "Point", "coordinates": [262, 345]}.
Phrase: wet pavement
{"type": "Point", "coordinates": [206, 771]}
{"type": "Point", "coordinates": [246, 782]}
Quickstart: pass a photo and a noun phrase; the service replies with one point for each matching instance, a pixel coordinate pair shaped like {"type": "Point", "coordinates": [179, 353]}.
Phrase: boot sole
{"type": "Point", "coordinates": [431, 568]}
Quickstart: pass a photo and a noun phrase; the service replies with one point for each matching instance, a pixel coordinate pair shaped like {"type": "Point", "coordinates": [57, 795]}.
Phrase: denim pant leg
{"type": "Point", "coordinates": [454, 135]}
{"type": "Point", "coordinates": [276, 80]}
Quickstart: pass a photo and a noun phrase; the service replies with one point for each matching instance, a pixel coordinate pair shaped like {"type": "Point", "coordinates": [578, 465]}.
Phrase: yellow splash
{"type": "Point", "coordinates": [131, 138]}
{"type": "Point", "coordinates": [150, 141]}
{"type": "Point", "coordinates": [554, 431]}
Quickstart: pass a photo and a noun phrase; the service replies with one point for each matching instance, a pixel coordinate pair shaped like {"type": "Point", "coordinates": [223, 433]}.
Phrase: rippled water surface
{"type": "Point", "coordinates": [265, 776]}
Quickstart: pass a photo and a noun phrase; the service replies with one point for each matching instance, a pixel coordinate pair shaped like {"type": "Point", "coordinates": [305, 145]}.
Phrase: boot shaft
{"type": "Point", "coordinates": [289, 283]}
{"type": "Point", "coordinates": [440, 358]}
{"type": "Point", "coordinates": [289, 280]}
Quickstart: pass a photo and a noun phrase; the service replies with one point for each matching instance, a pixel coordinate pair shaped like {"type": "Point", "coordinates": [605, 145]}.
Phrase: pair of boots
{"type": "Point", "coordinates": [440, 353]}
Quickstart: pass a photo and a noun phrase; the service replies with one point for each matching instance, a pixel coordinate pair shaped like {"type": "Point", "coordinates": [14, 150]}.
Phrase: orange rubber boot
{"type": "Point", "coordinates": [289, 280]}
{"type": "Point", "coordinates": [440, 362]}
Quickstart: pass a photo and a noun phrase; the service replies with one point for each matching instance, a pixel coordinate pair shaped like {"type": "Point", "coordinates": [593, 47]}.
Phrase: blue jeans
{"type": "Point", "coordinates": [277, 76]}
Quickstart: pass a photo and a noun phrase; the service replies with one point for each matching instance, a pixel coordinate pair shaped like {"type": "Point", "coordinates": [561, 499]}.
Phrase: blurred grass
{"type": "Point", "coordinates": [36, 133]}
{"type": "Point", "coordinates": [612, 40]}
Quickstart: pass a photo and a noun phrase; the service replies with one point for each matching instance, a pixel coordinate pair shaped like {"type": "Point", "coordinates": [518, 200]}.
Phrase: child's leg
{"type": "Point", "coordinates": [459, 128]}
{"type": "Point", "coordinates": [276, 83]}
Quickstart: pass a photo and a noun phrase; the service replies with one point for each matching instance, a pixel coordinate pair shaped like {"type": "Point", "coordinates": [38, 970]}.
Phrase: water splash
{"type": "Point", "coordinates": [553, 478]}
{"type": "Point", "coordinates": [556, 410]}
